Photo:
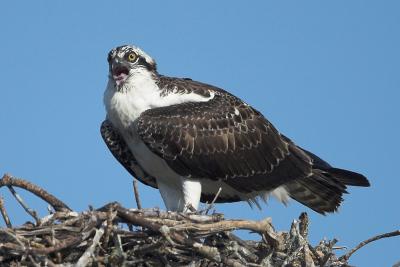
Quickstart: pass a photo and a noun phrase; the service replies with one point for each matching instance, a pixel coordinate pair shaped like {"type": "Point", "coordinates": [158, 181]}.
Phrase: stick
{"type": "Point", "coordinates": [57, 204]}
{"type": "Point", "coordinates": [365, 242]}
{"type": "Point", "coordinates": [136, 191]}
{"type": "Point", "coordinates": [14, 236]}
{"type": "Point", "coordinates": [261, 227]}
{"type": "Point", "coordinates": [22, 203]}
{"type": "Point", "coordinates": [211, 205]}
{"type": "Point", "coordinates": [89, 252]}
{"type": "Point", "coordinates": [34, 263]}
{"type": "Point", "coordinates": [4, 213]}
{"type": "Point", "coordinates": [303, 224]}
{"type": "Point", "coordinates": [111, 214]}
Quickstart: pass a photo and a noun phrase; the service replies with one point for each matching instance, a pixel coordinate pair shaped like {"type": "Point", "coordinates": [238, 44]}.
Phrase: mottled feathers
{"type": "Point", "coordinates": [226, 140]}
{"type": "Point", "coordinates": [189, 139]}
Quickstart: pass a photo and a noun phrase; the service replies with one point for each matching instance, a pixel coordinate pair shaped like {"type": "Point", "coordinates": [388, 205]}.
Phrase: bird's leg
{"type": "Point", "coordinates": [191, 193]}
{"type": "Point", "coordinates": [181, 194]}
{"type": "Point", "coordinates": [172, 195]}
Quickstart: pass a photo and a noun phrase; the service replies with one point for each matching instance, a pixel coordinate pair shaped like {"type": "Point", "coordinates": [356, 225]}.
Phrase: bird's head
{"type": "Point", "coordinates": [127, 60]}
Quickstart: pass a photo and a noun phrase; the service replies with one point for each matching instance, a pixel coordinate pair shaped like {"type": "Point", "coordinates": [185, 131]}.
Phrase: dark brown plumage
{"type": "Point", "coordinates": [224, 139]}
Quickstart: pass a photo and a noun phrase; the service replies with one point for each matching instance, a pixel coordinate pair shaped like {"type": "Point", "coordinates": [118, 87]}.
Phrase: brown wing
{"type": "Point", "coordinates": [221, 139]}
{"type": "Point", "coordinates": [121, 152]}
{"type": "Point", "coordinates": [224, 139]}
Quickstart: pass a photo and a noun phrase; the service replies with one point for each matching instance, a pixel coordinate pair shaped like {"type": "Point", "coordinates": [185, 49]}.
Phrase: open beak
{"type": "Point", "coordinates": [119, 73]}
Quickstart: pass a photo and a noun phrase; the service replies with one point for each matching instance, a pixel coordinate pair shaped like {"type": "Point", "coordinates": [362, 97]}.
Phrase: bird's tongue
{"type": "Point", "coordinates": [120, 78]}
{"type": "Point", "coordinates": [120, 74]}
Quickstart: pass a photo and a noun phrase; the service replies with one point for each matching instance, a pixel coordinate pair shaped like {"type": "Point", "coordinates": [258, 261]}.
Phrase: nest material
{"type": "Point", "coordinates": [116, 236]}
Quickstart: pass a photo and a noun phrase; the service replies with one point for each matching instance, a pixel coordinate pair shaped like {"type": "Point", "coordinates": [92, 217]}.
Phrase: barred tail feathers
{"type": "Point", "coordinates": [323, 190]}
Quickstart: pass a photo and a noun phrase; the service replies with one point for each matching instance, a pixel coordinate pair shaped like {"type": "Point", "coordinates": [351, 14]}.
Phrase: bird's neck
{"type": "Point", "coordinates": [139, 93]}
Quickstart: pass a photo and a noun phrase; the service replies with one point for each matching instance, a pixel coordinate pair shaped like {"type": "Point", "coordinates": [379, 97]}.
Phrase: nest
{"type": "Point", "coordinates": [116, 236]}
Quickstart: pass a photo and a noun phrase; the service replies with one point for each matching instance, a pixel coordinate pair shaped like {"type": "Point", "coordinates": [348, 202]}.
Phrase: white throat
{"type": "Point", "coordinates": [140, 92]}
{"type": "Point", "coordinates": [137, 94]}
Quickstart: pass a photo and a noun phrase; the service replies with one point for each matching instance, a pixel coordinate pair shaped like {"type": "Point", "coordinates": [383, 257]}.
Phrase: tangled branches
{"type": "Point", "coordinates": [116, 236]}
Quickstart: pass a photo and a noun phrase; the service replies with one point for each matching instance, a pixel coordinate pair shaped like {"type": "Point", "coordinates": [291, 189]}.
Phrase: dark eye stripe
{"type": "Point", "coordinates": [143, 62]}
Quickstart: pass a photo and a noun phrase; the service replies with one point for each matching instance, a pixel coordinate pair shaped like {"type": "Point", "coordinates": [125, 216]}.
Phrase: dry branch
{"type": "Point", "coordinates": [4, 213]}
{"type": "Point", "coordinates": [57, 204]}
{"type": "Point", "coordinates": [101, 238]}
{"type": "Point", "coordinates": [365, 242]}
{"type": "Point", "coordinates": [136, 192]}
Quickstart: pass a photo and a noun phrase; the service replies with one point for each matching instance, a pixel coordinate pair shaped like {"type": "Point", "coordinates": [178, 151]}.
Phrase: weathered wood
{"type": "Point", "coordinates": [157, 238]}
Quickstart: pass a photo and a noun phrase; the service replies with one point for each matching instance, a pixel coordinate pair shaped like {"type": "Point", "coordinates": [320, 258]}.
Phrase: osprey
{"type": "Point", "coordinates": [191, 140]}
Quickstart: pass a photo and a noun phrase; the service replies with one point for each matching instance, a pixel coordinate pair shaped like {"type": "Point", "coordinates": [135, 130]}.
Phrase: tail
{"type": "Point", "coordinates": [323, 190]}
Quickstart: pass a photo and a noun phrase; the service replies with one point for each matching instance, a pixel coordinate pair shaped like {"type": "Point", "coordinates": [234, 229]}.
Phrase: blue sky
{"type": "Point", "coordinates": [326, 73]}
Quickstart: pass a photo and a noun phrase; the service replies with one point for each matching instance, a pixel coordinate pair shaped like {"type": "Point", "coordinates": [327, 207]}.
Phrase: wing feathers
{"type": "Point", "coordinates": [221, 139]}
{"type": "Point", "coordinates": [231, 145]}
{"type": "Point", "coordinates": [121, 152]}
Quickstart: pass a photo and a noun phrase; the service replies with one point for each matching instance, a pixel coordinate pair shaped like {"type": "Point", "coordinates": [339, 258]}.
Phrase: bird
{"type": "Point", "coordinates": [196, 143]}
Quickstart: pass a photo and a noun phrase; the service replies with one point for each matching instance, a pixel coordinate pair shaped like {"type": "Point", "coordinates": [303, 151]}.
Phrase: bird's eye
{"type": "Point", "coordinates": [132, 57]}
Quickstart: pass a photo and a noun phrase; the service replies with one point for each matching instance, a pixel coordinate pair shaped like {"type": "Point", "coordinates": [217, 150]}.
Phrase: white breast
{"type": "Point", "coordinates": [123, 107]}
{"type": "Point", "coordinates": [137, 95]}
{"type": "Point", "coordinates": [140, 93]}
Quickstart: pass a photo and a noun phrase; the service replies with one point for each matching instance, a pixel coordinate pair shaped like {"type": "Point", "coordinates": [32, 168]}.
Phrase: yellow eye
{"type": "Point", "coordinates": [132, 57]}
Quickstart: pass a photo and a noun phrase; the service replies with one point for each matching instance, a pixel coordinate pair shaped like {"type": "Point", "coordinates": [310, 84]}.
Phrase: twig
{"type": "Point", "coordinates": [111, 214]}
{"type": "Point", "coordinates": [211, 253]}
{"type": "Point", "coordinates": [175, 216]}
{"type": "Point", "coordinates": [339, 247]}
{"type": "Point", "coordinates": [118, 244]}
{"type": "Point", "coordinates": [136, 191]}
{"type": "Point", "coordinates": [137, 219]}
{"type": "Point", "coordinates": [325, 259]}
{"type": "Point", "coordinates": [365, 242]}
{"type": "Point", "coordinates": [146, 248]}
{"type": "Point", "coordinates": [4, 213]}
{"type": "Point", "coordinates": [316, 255]}
{"type": "Point", "coordinates": [50, 263]}
{"type": "Point", "coordinates": [57, 204]}
{"type": "Point", "coordinates": [46, 250]}
{"type": "Point", "coordinates": [89, 252]}
{"type": "Point", "coordinates": [34, 263]}
{"type": "Point", "coordinates": [22, 203]}
{"type": "Point", "coordinates": [211, 205]}
{"type": "Point", "coordinates": [329, 254]}
{"type": "Point", "coordinates": [189, 207]}
{"type": "Point", "coordinates": [303, 224]}
{"type": "Point", "coordinates": [117, 256]}
{"type": "Point", "coordinates": [263, 226]}
{"type": "Point", "coordinates": [11, 234]}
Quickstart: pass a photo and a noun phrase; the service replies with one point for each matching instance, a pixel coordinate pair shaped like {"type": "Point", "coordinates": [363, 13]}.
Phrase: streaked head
{"type": "Point", "coordinates": [125, 60]}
